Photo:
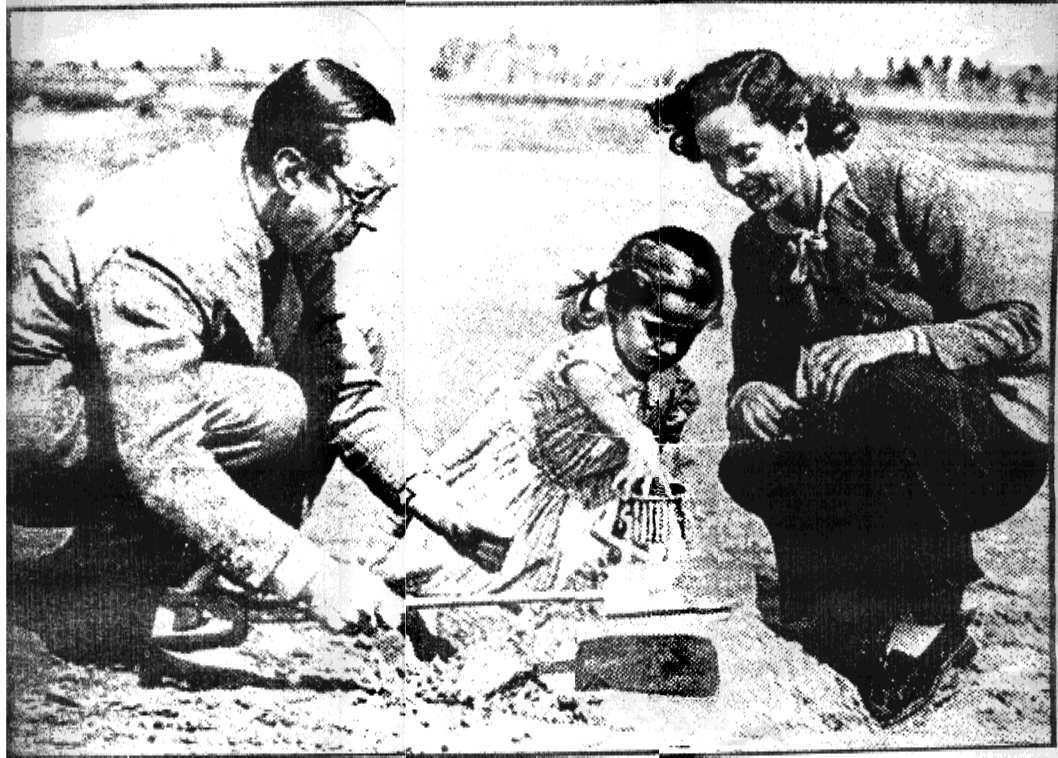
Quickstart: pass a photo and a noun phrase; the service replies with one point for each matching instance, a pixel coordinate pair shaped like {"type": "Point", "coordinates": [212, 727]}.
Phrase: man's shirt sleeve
{"type": "Point", "coordinates": [340, 364]}
{"type": "Point", "coordinates": [375, 440]}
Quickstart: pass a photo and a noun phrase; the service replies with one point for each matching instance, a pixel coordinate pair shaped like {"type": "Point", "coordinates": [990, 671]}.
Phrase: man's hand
{"type": "Point", "coordinates": [760, 410]}
{"type": "Point", "coordinates": [827, 366]}
{"type": "Point", "coordinates": [346, 597]}
{"type": "Point", "coordinates": [435, 505]}
{"type": "Point", "coordinates": [478, 543]}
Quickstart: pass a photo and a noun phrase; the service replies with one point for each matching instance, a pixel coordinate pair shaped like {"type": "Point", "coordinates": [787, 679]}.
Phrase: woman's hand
{"type": "Point", "coordinates": [643, 468]}
{"type": "Point", "coordinates": [828, 366]}
{"type": "Point", "coordinates": [760, 410]}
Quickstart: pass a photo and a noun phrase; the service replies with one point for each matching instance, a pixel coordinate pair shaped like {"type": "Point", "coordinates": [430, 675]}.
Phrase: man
{"type": "Point", "coordinates": [159, 353]}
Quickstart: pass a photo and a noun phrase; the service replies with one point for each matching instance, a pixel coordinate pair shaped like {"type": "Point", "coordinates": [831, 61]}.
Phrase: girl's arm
{"type": "Point", "coordinates": [681, 404]}
{"type": "Point", "coordinates": [592, 386]}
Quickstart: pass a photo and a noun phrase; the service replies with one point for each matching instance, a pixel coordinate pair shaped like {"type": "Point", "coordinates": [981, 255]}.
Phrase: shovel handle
{"type": "Point", "coordinates": [567, 596]}
{"type": "Point", "coordinates": [523, 598]}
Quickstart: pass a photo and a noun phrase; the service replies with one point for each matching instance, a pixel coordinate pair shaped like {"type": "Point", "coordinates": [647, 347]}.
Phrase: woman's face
{"type": "Point", "coordinates": [754, 162]}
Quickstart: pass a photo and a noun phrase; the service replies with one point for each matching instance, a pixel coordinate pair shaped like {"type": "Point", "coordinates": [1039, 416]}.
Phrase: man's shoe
{"type": "Point", "coordinates": [902, 685]}
{"type": "Point", "coordinates": [193, 621]}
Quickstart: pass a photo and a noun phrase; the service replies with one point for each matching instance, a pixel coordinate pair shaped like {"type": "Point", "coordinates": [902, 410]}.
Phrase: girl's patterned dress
{"type": "Point", "coordinates": [538, 454]}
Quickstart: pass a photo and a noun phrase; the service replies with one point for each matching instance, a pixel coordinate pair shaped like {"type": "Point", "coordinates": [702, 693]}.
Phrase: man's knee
{"type": "Point", "coordinates": [46, 423]}
{"type": "Point", "coordinates": [49, 457]}
{"type": "Point", "coordinates": [256, 415]}
{"type": "Point", "coordinates": [284, 419]}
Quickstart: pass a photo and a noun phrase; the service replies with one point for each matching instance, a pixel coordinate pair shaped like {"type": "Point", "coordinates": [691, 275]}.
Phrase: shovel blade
{"type": "Point", "coordinates": [660, 664]}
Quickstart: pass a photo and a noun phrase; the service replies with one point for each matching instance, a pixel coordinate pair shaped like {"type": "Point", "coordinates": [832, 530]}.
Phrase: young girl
{"type": "Point", "coordinates": [550, 449]}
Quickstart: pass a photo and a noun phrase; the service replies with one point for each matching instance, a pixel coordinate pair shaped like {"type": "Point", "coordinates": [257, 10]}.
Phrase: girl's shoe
{"type": "Point", "coordinates": [902, 685]}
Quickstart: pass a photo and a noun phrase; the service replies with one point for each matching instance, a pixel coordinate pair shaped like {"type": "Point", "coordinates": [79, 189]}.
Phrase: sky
{"type": "Point", "coordinates": [814, 37]}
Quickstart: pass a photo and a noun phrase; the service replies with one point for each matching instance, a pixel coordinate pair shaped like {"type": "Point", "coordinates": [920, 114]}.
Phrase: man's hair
{"type": "Point", "coordinates": [308, 108]}
{"type": "Point", "coordinates": [774, 93]}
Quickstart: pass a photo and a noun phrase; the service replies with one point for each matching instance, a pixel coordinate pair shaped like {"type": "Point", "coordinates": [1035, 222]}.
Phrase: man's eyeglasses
{"type": "Point", "coordinates": [360, 201]}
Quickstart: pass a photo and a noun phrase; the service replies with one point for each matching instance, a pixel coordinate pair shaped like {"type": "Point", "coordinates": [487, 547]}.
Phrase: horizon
{"type": "Point", "coordinates": [409, 37]}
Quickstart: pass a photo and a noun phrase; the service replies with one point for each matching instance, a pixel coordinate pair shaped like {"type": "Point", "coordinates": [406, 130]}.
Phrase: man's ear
{"type": "Point", "coordinates": [290, 170]}
{"type": "Point", "coordinates": [798, 133]}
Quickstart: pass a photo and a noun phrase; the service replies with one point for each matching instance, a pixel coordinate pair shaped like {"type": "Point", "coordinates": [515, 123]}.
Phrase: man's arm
{"type": "Point", "coordinates": [350, 405]}
{"type": "Point", "coordinates": [149, 330]}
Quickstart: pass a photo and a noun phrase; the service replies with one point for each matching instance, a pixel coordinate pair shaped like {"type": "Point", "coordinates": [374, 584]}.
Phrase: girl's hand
{"type": "Point", "coordinates": [643, 468]}
{"type": "Point", "coordinates": [759, 410]}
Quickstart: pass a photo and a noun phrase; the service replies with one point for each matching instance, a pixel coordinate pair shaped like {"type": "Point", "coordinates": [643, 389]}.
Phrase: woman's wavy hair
{"type": "Point", "coordinates": [774, 93]}
{"type": "Point", "coordinates": [639, 274]}
{"type": "Point", "coordinates": [308, 107]}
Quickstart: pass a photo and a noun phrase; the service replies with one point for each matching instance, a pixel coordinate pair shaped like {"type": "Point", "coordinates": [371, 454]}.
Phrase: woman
{"type": "Point", "coordinates": [888, 396]}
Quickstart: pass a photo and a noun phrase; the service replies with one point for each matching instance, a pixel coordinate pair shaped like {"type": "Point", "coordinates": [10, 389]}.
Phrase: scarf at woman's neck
{"type": "Point", "coordinates": [804, 267]}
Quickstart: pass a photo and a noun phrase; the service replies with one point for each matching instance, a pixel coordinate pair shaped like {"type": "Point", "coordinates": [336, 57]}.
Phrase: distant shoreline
{"type": "Point", "coordinates": [963, 112]}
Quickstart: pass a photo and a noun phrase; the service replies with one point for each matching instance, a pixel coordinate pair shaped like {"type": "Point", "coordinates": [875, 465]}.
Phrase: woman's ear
{"type": "Point", "coordinates": [798, 133]}
{"type": "Point", "coordinates": [289, 170]}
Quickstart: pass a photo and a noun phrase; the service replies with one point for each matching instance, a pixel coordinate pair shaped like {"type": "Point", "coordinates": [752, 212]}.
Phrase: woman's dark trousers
{"type": "Point", "coordinates": [872, 505]}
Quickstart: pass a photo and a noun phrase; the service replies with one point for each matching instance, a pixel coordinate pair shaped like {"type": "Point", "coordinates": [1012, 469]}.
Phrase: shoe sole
{"type": "Point", "coordinates": [227, 629]}
{"type": "Point", "coordinates": [960, 658]}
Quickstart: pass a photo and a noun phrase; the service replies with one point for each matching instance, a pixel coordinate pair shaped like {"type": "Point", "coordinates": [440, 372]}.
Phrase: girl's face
{"type": "Point", "coordinates": [754, 162]}
{"type": "Point", "coordinates": [652, 339]}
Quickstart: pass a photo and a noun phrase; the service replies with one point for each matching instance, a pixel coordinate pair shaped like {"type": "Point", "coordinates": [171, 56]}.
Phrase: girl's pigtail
{"type": "Point", "coordinates": [578, 314]}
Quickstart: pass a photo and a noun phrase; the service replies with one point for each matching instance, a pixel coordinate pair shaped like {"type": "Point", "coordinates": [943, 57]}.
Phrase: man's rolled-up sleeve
{"type": "Point", "coordinates": [149, 332]}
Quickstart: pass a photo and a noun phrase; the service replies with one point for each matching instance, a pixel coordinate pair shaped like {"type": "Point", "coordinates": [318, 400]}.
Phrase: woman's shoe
{"type": "Point", "coordinates": [195, 621]}
{"type": "Point", "coordinates": [902, 685]}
